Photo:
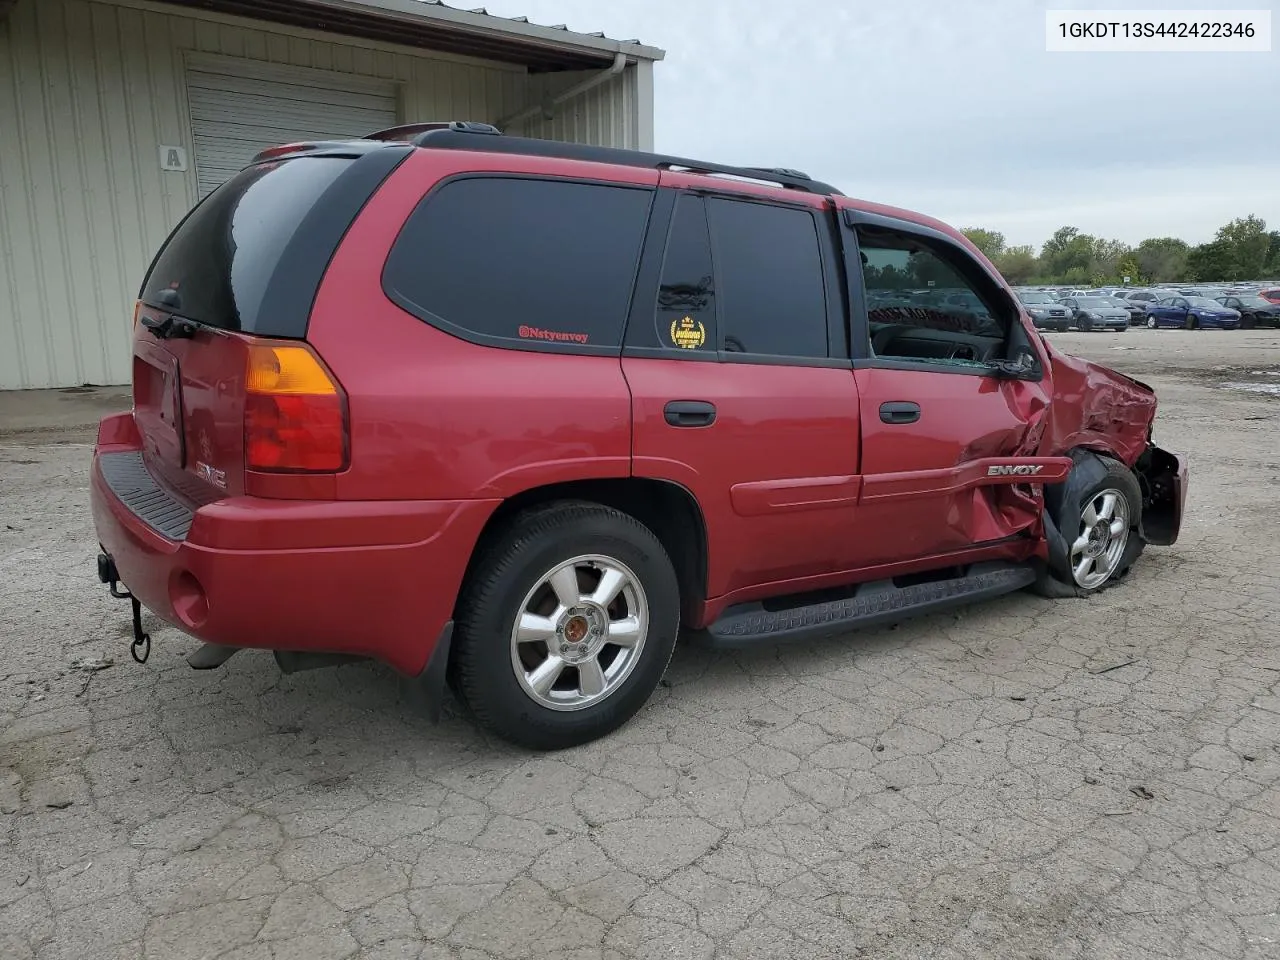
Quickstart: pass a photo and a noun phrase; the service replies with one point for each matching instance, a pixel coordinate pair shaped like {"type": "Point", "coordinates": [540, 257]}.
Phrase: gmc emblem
{"type": "Point", "coordinates": [1020, 470]}
{"type": "Point", "coordinates": [211, 475]}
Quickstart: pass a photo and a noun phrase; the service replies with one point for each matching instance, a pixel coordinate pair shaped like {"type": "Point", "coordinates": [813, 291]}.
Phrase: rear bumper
{"type": "Point", "coordinates": [371, 578]}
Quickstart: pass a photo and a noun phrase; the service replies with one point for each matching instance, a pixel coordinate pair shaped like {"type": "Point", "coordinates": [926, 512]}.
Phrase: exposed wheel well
{"type": "Point", "coordinates": [668, 509]}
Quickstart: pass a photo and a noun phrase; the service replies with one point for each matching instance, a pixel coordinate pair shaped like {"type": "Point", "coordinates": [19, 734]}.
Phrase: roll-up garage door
{"type": "Point", "coordinates": [242, 107]}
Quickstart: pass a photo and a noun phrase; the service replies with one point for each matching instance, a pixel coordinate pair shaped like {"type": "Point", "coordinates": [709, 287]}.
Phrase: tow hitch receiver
{"type": "Point", "coordinates": [107, 573]}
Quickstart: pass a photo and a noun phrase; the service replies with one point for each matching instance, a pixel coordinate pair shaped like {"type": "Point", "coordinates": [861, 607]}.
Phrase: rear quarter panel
{"type": "Point", "coordinates": [437, 417]}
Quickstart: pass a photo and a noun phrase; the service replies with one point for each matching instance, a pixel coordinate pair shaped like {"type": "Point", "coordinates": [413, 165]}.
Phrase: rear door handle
{"type": "Point", "coordinates": [899, 411]}
{"type": "Point", "coordinates": [690, 413]}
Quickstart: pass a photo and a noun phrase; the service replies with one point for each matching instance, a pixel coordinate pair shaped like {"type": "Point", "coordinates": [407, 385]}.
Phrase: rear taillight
{"type": "Point", "coordinates": [295, 414]}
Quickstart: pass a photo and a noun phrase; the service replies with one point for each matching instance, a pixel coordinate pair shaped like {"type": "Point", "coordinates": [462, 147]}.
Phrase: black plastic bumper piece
{"type": "Point", "coordinates": [107, 572]}
{"type": "Point", "coordinates": [130, 480]}
{"type": "Point", "coordinates": [874, 604]}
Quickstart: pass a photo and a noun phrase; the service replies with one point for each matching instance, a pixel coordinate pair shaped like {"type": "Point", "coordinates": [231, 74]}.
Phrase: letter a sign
{"type": "Point", "coordinates": [173, 158]}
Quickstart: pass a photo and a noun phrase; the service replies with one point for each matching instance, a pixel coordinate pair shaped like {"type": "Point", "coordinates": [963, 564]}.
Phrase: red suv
{"type": "Point", "coordinates": [513, 414]}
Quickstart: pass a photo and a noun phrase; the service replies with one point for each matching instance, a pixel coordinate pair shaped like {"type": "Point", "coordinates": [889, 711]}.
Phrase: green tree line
{"type": "Point", "coordinates": [1243, 249]}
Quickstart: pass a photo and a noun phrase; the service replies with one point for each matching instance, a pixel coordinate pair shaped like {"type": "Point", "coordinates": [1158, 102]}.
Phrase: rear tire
{"type": "Point", "coordinates": [535, 656]}
{"type": "Point", "coordinates": [1151, 323]}
{"type": "Point", "coordinates": [1097, 513]}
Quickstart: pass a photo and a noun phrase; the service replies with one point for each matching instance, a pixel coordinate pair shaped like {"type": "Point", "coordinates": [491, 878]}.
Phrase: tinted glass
{"type": "Point", "coordinates": [685, 314]}
{"type": "Point", "coordinates": [1035, 298]}
{"type": "Point", "coordinates": [534, 261]}
{"type": "Point", "coordinates": [215, 266]}
{"type": "Point", "coordinates": [1203, 302]}
{"type": "Point", "coordinates": [1095, 302]}
{"type": "Point", "coordinates": [772, 297]}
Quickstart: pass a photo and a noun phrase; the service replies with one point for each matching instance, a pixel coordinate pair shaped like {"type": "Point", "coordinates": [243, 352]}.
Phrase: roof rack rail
{"type": "Point", "coordinates": [785, 171]}
{"type": "Point", "coordinates": [457, 136]}
{"type": "Point", "coordinates": [411, 131]}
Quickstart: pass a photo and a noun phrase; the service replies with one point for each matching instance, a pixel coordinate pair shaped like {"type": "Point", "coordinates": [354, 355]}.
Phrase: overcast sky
{"type": "Point", "coordinates": [953, 108]}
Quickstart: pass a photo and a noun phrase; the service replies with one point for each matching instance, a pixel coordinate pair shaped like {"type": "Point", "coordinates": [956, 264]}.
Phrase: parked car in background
{"type": "Point", "coordinates": [1254, 311]}
{"type": "Point", "coordinates": [1045, 312]}
{"type": "Point", "coordinates": [1208, 293]}
{"type": "Point", "coordinates": [1136, 309]}
{"type": "Point", "coordinates": [1272, 294]}
{"type": "Point", "coordinates": [1145, 296]}
{"type": "Point", "coordinates": [1097, 313]}
{"type": "Point", "coordinates": [1193, 313]}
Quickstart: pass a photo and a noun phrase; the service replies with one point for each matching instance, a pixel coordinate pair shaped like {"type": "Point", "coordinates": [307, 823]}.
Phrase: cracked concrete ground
{"type": "Point", "coordinates": [972, 785]}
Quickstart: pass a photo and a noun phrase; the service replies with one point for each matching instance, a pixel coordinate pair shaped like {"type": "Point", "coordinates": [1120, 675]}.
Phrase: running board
{"type": "Point", "coordinates": [873, 604]}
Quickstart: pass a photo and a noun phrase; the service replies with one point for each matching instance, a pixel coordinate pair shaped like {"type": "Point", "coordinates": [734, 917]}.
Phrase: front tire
{"type": "Point", "coordinates": [565, 626]}
{"type": "Point", "coordinates": [1097, 513]}
{"type": "Point", "coordinates": [1192, 322]}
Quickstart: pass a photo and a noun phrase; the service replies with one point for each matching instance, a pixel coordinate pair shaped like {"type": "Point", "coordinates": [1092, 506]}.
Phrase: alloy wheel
{"type": "Point", "coordinates": [1104, 534]}
{"type": "Point", "coordinates": [579, 633]}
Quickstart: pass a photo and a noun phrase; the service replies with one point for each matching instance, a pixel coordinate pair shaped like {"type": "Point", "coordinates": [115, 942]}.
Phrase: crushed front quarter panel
{"type": "Point", "coordinates": [1096, 408]}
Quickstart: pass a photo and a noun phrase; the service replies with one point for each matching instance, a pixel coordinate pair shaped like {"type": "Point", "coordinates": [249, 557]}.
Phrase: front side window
{"type": "Point", "coordinates": [513, 261]}
{"type": "Point", "coordinates": [925, 303]}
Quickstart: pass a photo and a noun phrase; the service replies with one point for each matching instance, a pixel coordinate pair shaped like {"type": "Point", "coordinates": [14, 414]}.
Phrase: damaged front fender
{"type": "Point", "coordinates": [1100, 410]}
{"type": "Point", "coordinates": [1096, 408]}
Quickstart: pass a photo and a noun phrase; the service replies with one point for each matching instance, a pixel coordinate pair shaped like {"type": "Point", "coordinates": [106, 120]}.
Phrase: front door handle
{"type": "Point", "coordinates": [690, 413]}
{"type": "Point", "coordinates": [899, 411]}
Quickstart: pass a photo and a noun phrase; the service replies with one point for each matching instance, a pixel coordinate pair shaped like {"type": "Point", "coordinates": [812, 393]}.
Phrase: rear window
{"type": "Point", "coordinates": [519, 262]}
{"type": "Point", "coordinates": [216, 265]}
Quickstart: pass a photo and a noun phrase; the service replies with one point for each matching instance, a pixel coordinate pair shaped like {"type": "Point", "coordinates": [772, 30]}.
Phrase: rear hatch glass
{"type": "Point", "coordinates": [215, 268]}
{"type": "Point", "coordinates": [216, 265]}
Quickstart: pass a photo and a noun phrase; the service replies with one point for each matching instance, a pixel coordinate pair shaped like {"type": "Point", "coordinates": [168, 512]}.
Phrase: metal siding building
{"type": "Point", "coordinates": [93, 92]}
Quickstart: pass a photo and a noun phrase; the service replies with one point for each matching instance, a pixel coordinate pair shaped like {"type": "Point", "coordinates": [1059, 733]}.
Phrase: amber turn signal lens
{"type": "Point", "coordinates": [275, 369]}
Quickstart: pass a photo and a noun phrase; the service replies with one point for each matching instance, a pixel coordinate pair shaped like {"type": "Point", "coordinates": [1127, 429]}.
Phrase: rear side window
{"type": "Point", "coordinates": [686, 308]}
{"type": "Point", "coordinates": [518, 262]}
{"type": "Point", "coordinates": [769, 268]}
{"type": "Point", "coordinates": [215, 267]}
